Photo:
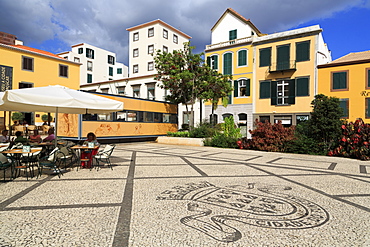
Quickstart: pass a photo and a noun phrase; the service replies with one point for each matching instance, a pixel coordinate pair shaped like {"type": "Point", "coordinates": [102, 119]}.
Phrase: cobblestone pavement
{"type": "Point", "coordinates": [163, 195]}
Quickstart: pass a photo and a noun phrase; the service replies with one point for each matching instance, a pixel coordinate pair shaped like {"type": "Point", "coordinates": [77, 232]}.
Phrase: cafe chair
{"type": "Point", "coordinates": [52, 162]}
{"type": "Point", "coordinates": [19, 128]}
{"type": "Point", "coordinates": [5, 146]}
{"type": "Point", "coordinates": [68, 155]}
{"type": "Point", "coordinates": [5, 164]}
{"type": "Point", "coordinates": [45, 129]}
{"type": "Point", "coordinates": [104, 156]}
{"type": "Point", "coordinates": [32, 161]}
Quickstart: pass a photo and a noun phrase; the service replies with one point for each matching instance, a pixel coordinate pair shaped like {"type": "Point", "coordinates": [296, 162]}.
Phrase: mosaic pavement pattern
{"type": "Point", "coordinates": [163, 195]}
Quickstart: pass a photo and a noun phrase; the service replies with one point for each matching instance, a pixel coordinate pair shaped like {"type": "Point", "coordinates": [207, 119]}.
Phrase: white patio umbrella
{"type": "Point", "coordinates": [58, 99]}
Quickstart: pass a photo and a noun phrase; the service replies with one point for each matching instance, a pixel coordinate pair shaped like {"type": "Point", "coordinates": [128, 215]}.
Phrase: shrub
{"type": "Point", "coordinates": [354, 142]}
{"type": "Point", "coordinates": [203, 130]}
{"type": "Point", "coordinates": [268, 137]}
{"type": "Point", "coordinates": [229, 136]}
{"type": "Point", "coordinates": [178, 134]}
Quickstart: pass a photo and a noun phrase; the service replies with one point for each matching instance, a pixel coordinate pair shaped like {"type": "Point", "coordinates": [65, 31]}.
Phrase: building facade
{"type": "Point", "coordinates": [348, 78]}
{"type": "Point", "coordinates": [231, 52]}
{"type": "Point", "coordinates": [97, 65]}
{"type": "Point", "coordinates": [24, 67]}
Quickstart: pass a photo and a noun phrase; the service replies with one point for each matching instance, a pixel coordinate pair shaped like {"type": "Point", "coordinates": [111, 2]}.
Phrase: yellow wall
{"type": "Point", "coordinates": [357, 87]}
{"type": "Point", "coordinates": [45, 71]}
{"type": "Point", "coordinates": [303, 69]}
{"type": "Point", "coordinates": [242, 72]}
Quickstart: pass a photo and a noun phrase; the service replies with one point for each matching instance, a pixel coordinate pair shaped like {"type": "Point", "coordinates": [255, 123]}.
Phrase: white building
{"type": "Point", "coordinates": [98, 65]}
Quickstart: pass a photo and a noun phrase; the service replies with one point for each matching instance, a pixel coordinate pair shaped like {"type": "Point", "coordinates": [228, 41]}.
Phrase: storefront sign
{"type": "Point", "coordinates": [365, 94]}
{"type": "Point", "coordinates": [6, 78]}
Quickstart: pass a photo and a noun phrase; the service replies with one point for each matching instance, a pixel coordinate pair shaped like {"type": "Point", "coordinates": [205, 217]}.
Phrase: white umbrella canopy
{"type": "Point", "coordinates": [56, 99]}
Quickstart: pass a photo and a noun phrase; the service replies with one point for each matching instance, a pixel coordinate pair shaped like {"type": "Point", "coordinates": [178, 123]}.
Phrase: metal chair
{"type": "Point", "coordinates": [104, 156]}
{"type": "Point", "coordinates": [52, 162]}
{"type": "Point", "coordinates": [5, 164]}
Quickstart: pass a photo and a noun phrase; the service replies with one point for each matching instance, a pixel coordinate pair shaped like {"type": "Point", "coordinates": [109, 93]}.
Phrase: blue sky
{"type": "Point", "coordinates": [56, 25]}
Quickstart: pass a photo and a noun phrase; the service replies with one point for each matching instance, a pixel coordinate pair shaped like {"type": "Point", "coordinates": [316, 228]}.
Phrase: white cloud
{"type": "Point", "coordinates": [104, 23]}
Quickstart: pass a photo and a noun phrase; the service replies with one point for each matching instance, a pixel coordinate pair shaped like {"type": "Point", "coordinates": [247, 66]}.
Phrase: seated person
{"type": "Point", "coordinates": [35, 138]}
{"type": "Point", "coordinates": [4, 136]}
{"type": "Point", "coordinates": [20, 138]}
{"type": "Point", "coordinates": [88, 154]}
{"type": "Point", "coordinates": [50, 136]}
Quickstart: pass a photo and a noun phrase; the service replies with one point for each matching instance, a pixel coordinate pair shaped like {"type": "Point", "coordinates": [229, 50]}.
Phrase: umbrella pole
{"type": "Point", "coordinates": [56, 127]}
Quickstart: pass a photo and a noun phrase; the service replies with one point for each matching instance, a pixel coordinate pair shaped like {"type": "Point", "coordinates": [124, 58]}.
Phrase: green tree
{"type": "Point", "coordinates": [186, 76]}
{"type": "Point", "coordinates": [325, 123]}
{"type": "Point", "coordinates": [17, 116]}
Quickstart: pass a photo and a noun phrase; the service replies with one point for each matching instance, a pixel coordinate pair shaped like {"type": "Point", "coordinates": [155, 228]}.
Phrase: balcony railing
{"type": "Point", "coordinates": [281, 66]}
{"type": "Point", "coordinates": [228, 43]}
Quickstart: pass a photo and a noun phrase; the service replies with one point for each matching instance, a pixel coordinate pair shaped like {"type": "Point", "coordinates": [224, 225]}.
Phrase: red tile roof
{"type": "Point", "coordinates": [351, 58]}
{"type": "Point", "coordinates": [36, 51]}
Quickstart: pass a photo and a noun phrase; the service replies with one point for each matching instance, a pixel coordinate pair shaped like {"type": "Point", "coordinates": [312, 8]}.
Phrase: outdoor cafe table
{"type": "Point", "coordinates": [81, 148]}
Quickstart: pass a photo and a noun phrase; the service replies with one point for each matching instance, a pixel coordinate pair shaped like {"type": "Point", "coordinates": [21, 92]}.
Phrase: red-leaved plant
{"type": "Point", "coordinates": [354, 142]}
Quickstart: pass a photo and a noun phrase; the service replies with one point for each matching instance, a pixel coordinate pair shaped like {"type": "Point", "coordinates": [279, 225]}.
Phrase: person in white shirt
{"type": "Point", "coordinates": [4, 136]}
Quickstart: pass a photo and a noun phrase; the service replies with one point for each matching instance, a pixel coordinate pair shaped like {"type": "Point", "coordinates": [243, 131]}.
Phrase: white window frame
{"type": "Point", "coordinates": [135, 68]}
{"type": "Point", "coordinates": [175, 39]}
{"type": "Point", "coordinates": [150, 66]}
{"type": "Point", "coordinates": [282, 91]}
{"type": "Point", "coordinates": [135, 52]}
{"type": "Point", "coordinates": [150, 49]}
{"type": "Point", "coordinates": [136, 36]}
{"type": "Point", "coordinates": [165, 34]}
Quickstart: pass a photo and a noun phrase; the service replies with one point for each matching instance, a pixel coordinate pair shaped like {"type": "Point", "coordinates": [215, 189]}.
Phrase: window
{"type": "Point", "coordinates": [232, 34]}
{"type": "Point", "coordinates": [242, 117]}
{"type": "Point", "coordinates": [110, 71]}
{"type": "Point", "coordinates": [131, 116]}
{"type": "Point", "coordinates": [136, 36]}
{"type": "Point", "coordinates": [150, 66]}
{"type": "Point", "coordinates": [301, 118]}
{"type": "Point", "coordinates": [89, 66]}
{"type": "Point", "coordinates": [89, 53]}
{"type": "Point", "coordinates": [169, 118]}
{"type": "Point", "coordinates": [76, 59]}
{"type": "Point", "coordinates": [242, 88]}
{"type": "Point", "coordinates": [283, 57]}
{"type": "Point", "coordinates": [136, 68]}
{"type": "Point", "coordinates": [110, 59]}
{"type": "Point", "coordinates": [25, 85]}
{"type": "Point", "coordinates": [63, 70]}
{"type": "Point", "coordinates": [151, 32]}
{"type": "Point", "coordinates": [175, 39]}
{"type": "Point", "coordinates": [302, 51]}
{"type": "Point", "coordinates": [263, 119]}
{"type": "Point", "coordinates": [212, 61]}
{"type": "Point", "coordinates": [151, 91]}
{"type": "Point", "coordinates": [119, 71]}
{"type": "Point", "coordinates": [89, 78]}
{"type": "Point", "coordinates": [80, 50]}
{"type": "Point", "coordinates": [339, 80]}
{"type": "Point", "coordinates": [165, 49]}
{"type": "Point", "coordinates": [121, 116]}
{"type": "Point", "coordinates": [286, 120]}
{"type": "Point", "coordinates": [136, 52]}
{"type": "Point", "coordinates": [283, 92]}
{"type": "Point", "coordinates": [150, 49]}
{"type": "Point", "coordinates": [27, 63]}
{"type": "Point", "coordinates": [302, 86]}
{"type": "Point", "coordinates": [265, 57]}
{"type": "Point", "coordinates": [265, 88]}
{"type": "Point", "coordinates": [213, 118]}
{"type": "Point", "coordinates": [368, 78]}
{"type": "Point", "coordinates": [66, 57]}
{"type": "Point", "coordinates": [105, 90]}
{"type": "Point", "coordinates": [226, 115]}
{"type": "Point", "coordinates": [344, 104]}
{"type": "Point", "coordinates": [227, 64]}
{"type": "Point", "coordinates": [367, 107]}
{"type": "Point", "coordinates": [242, 58]}
{"type": "Point", "coordinates": [136, 90]}
{"type": "Point", "coordinates": [121, 90]}
{"type": "Point", "coordinates": [148, 116]}
{"type": "Point", "coordinates": [165, 34]}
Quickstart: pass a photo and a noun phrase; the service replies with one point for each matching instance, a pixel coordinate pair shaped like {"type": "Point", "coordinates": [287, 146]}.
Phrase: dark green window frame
{"type": "Point", "coordinates": [119, 71]}
{"type": "Point", "coordinates": [283, 57]}
{"type": "Point", "coordinates": [212, 61]}
{"type": "Point", "coordinates": [228, 65]}
{"type": "Point", "coordinates": [265, 89]}
{"type": "Point", "coordinates": [233, 34]}
{"type": "Point", "coordinates": [265, 57]}
{"type": "Point", "coordinates": [242, 58]}
{"type": "Point", "coordinates": [303, 86]}
{"type": "Point", "coordinates": [339, 80]}
{"type": "Point", "coordinates": [110, 71]}
{"type": "Point", "coordinates": [89, 78]}
{"type": "Point", "coordinates": [303, 51]}
{"type": "Point", "coordinates": [344, 104]}
{"type": "Point", "coordinates": [367, 107]}
{"type": "Point", "coordinates": [368, 78]}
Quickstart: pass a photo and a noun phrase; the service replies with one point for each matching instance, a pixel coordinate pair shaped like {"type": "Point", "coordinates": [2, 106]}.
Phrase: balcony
{"type": "Point", "coordinates": [282, 66]}
{"type": "Point", "coordinates": [228, 43]}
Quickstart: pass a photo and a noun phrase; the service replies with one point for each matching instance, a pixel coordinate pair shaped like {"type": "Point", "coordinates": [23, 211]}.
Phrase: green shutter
{"type": "Point", "coordinates": [89, 78]}
{"type": "Point", "coordinates": [232, 34]}
{"type": "Point", "coordinates": [291, 99]}
{"type": "Point", "coordinates": [274, 93]}
{"type": "Point", "coordinates": [302, 86]}
{"type": "Point", "coordinates": [242, 58]}
{"type": "Point", "coordinates": [264, 89]}
{"type": "Point", "coordinates": [227, 64]}
{"type": "Point", "coordinates": [215, 62]}
{"type": "Point", "coordinates": [209, 61]}
{"type": "Point", "coordinates": [283, 57]}
{"type": "Point", "coordinates": [236, 88]}
{"type": "Point", "coordinates": [303, 51]}
{"type": "Point", "coordinates": [265, 57]}
{"type": "Point", "coordinates": [367, 110]}
{"type": "Point", "coordinates": [340, 80]}
{"type": "Point", "coordinates": [230, 95]}
{"type": "Point", "coordinates": [248, 88]}
{"type": "Point", "coordinates": [344, 105]}
{"type": "Point", "coordinates": [368, 78]}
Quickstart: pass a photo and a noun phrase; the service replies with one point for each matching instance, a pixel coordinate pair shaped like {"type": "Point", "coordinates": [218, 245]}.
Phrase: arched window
{"type": "Point", "coordinates": [226, 115]}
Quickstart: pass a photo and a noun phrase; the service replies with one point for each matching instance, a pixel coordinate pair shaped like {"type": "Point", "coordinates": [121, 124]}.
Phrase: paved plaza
{"type": "Point", "coordinates": [167, 195]}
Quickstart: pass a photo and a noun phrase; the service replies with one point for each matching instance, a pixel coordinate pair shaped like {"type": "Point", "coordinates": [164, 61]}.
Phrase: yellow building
{"type": "Point", "coordinates": [231, 52]}
{"type": "Point", "coordinates": [286, 74]}
{"type": "Point", "coordinates": [24, 67]}
{"type": "Point", "coordinates": [348, 78]}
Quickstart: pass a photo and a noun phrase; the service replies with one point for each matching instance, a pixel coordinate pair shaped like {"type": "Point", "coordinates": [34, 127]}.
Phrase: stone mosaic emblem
{"type": "Point", "coordinates": [258, 205]}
